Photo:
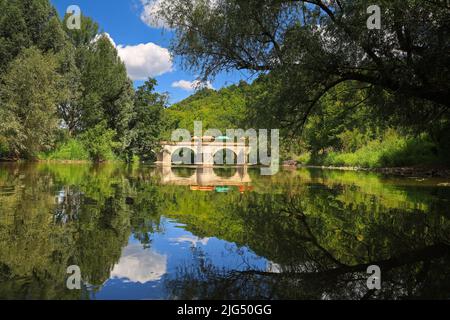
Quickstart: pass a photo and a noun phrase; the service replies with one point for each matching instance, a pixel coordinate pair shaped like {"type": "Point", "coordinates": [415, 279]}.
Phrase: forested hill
{"type": "Point", "coordinates": [222, 109]}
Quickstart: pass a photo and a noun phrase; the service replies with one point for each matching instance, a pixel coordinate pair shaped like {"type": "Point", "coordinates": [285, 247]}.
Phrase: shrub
{"type": "Point", "coordinates": [352, 140]}
{"type": "Point", "coordinates": [392, 150]}
{"type": "Point", "coordinates": [71, 150]}
{"type": "Point", "coordinates": [304, 158]}
{"type": "Point", "coordinates": [4, 150]}
{"type": "Point", "coordinates": [99, 143]}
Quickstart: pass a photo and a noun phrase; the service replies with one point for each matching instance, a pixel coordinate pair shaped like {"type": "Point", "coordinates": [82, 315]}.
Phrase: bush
{"type": "Point", "coordinates": [4, 150]}
{"type": "Point", "coordinates": [71, 150]}
{"type": "Point", "coordinates": [352, 140]}
{"type": "Point", "coordinates": [304, 158]}
{"type": "Point", "coordinates": [392, 150]}
{"type": "Point", "coordinates": [99, 143]}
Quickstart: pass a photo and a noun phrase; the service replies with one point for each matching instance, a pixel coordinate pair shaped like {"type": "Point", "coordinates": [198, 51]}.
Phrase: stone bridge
{"type": "Point", "coordinates": [204, 153]}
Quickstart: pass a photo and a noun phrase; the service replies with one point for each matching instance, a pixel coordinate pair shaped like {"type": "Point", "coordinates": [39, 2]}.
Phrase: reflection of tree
{"type": "Point", "coordinates": [406, 276]}
{"type": "Point", "coordinates": [57, 216]}
{"type": "Point", "coordinates": [322, 249]}
{"type": "Point", "coordinates": [226, 172]}
{"type": "Point", "coordinates": [318, 236]}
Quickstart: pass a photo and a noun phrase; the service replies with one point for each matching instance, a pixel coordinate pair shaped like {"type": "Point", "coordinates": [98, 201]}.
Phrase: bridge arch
{"type": "Point", "coordinates": [225, 156]}
{"type": "Point", "coordinates": [182, 155]}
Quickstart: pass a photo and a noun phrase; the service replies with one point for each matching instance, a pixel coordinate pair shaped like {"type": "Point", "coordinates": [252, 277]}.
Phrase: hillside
{"type": "Point", "coordinates": [222, 109]}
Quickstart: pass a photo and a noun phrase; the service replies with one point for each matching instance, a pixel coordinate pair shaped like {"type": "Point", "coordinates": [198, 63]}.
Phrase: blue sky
{"type": "Point", "coordinates": [142, 44]}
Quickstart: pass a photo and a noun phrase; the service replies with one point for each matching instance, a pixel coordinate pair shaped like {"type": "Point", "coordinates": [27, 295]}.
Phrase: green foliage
{"type": "Point", "coordinates": [310, 47]}
{"type": "Point", "coordinates": [148, 123]}
{"type": "Point", "coordinates": [29, 97]}
{"type": "Point", "coordinates": [352, 140]}
{"type": "Point", "coordinates": [107, 93]}
{"type": "Point", "coordinates": [100, 143]}
{"type": "Point", "coordinates": [4, 150]}
{"type": "Point", "coordinates": [74, 79]}
{"type": "Point", "coordinates": [73, 149]}
{"type": "Point", "coordinates": [26, 23]}
{"type": "Point", "coordinates": [84, 36]}
{"type": "Point", "coordinates": [304, 158]}
{"type": "Point", "coordinates": [392, 150]}
{"type": "Point", "coordinates": [222, 109]}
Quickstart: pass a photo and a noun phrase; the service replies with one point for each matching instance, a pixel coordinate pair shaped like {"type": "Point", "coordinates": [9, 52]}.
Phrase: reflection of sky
{"type": "Point", "coordinates": [140, 273]}
{"type": "Point", "coordinates": [140, 265]}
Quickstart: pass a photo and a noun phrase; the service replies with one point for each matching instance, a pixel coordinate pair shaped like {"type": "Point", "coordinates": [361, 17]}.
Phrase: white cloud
{"type": "Point", "coordinates": [143, 60]}
{"type": "Point", "coordinates": [139, 265]}
{"type": "Point", "coordinates": [191, 85]}
{"type": "Point", "coordinates": [150, 11]}
{"type": "Point", "coordinates": [149, 14]}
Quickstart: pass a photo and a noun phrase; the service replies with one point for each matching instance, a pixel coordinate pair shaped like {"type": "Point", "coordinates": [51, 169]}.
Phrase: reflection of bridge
{"type": "Point", "coordinates": [205, 176]}
{"type": "Point", "coordinates": [204, 151]}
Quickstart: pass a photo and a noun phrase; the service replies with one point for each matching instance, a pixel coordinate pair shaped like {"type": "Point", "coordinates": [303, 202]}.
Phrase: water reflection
{"type": "Point", "coordinates": [138, 264]}
{"type": "Point", "coordinates": [205, 176]}
{"type": "Point", "coordinates": [147, 233]}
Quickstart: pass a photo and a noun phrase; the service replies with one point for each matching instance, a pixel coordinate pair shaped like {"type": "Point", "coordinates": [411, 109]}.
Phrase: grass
{"type": "Point", "coordinates": [72, 150]}
{"type": "Point", "coordinates": [392, 150]}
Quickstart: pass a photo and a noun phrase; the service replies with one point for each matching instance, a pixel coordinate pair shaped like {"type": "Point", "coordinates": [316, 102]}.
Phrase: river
{"type": "Point", "coordinates": [144, 232]}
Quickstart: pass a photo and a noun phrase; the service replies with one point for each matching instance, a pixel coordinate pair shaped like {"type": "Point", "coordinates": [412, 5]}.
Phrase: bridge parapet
{"type": "Point", "coordinates": [195, 143]}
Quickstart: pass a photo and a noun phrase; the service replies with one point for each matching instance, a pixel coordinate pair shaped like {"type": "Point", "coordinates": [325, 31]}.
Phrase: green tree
{"type": "Point", "coordinates": [99, 142]}
{"type": "Point", "coordinates": [312, 46]}
{"type": "Point", "coordinates": [28, 109]}
{"type": "Point", "coordinates": [26, 23]}
{"type": "Point", "coordinates": [148, 122]}
{"type": "Point", "coordinates": [69, 107]}
{"type": "Point", "coordinates": [222, 109]}
{"type": "Point", "coordinates": [84, 36]}
{"type": "Point", "coordinates": [107, 91]}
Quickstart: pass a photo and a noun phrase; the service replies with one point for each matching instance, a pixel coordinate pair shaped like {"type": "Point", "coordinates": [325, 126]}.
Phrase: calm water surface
{"type": "Point", "coordinates": [224, 233]}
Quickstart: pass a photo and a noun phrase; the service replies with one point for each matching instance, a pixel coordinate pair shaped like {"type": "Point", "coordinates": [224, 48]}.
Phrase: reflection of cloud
{"type": "Point", "coordinates": [140, 265]}
{"type": "Point", "coordinates": [273, 267]}
{"type": "Point", "coordinates": [192, 239]}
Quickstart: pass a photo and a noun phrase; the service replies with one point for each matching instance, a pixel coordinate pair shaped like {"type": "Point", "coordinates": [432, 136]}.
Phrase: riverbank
{"type": "Point", "coordinates": [422, 172]}
{"type": "Point", "coordinates": [418, 171]}
{"type": "Point", "coordinates": [57, 161]}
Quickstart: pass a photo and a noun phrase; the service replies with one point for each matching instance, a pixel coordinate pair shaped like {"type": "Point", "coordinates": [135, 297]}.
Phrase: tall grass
{"type": "Point", "coordinates": [70, 150]}
{"type": "Point", "coordinates": [392, 150]}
